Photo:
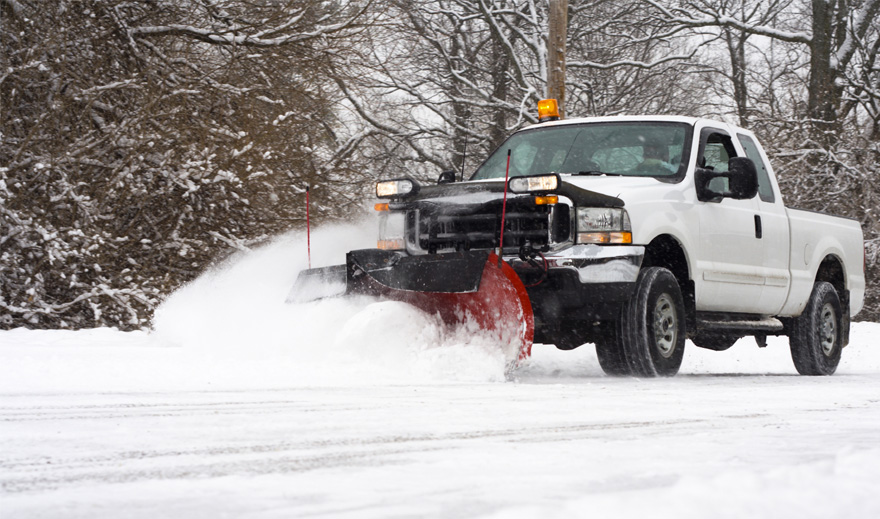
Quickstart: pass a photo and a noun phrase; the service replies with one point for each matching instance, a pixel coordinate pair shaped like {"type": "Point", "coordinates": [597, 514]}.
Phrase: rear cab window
{"type": "Point", "coordinates": [765, 188]}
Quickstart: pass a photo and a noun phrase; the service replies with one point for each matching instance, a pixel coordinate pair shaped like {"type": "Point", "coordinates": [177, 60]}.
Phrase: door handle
{"type": "Point", "coordinates": [759, 228]}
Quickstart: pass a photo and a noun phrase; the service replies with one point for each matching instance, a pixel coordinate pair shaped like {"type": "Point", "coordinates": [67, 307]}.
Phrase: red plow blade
{"type": "Point", "coordinates": [459, 287]}
{"type": "Point", "coordinates": [500, 305]}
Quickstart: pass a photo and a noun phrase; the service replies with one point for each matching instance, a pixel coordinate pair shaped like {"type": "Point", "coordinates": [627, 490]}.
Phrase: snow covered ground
{"type": "Point", "coordinates": [239, 405]}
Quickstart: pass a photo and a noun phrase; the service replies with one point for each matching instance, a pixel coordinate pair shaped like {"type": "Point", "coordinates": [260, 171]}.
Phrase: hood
{"type": "Point", "coordinates": [464, 195]}
{"type": "Point", "coordinates": [613, 186]}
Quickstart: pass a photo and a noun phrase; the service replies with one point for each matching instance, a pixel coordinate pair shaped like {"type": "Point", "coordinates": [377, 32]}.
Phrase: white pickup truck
{"type": "Point", "coordinates": [635, 233]}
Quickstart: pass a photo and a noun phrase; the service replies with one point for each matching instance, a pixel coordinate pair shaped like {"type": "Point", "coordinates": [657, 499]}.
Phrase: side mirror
{"type": "Point", "coordinates": [447, 177]}
{"type": "Point", "coordinates": [743, 178]}
{"type": "Point", "coordinates": [740, 182]}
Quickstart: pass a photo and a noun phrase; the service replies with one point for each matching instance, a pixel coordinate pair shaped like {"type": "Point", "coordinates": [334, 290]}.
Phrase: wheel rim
{"type": "Point", "coordinates": [665, 326]}
{"type": "Point", "coordinates": [828, 329]}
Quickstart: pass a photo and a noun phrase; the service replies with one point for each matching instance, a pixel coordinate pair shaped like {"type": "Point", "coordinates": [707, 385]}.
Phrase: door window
{"type": "Point", "coordinates": [715, 154]}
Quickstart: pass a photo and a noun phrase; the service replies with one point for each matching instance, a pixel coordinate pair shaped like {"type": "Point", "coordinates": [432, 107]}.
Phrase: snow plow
{"type": "Point", "coordinates": [463, 286]}
{"type": "Point", "coordinates": [537, 246]}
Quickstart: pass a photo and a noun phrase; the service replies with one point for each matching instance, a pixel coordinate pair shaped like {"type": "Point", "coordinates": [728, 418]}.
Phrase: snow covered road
{"type": "Point", "coordinates": [559, 440]}
{"type": "Point", "coordinates": [241, 406]}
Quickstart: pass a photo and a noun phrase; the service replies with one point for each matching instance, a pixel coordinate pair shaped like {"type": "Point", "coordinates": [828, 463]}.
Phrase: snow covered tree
{"type": "Point", "coordinates": [462, 74]}
{"type": "Point", "coordinates": [142, 140]}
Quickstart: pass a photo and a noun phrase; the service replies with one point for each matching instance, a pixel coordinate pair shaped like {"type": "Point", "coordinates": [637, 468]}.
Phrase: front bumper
{"type": "Point", "coordinates": [583, 283]}
{"type": "Point", "coordinates": [592, 264]}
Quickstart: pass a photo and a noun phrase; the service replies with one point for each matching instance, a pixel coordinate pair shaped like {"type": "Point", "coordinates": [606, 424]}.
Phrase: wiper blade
{"type": "Point", "coordinates": [597, 173]}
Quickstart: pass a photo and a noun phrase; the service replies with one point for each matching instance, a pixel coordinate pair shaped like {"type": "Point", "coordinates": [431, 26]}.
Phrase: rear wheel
{"type": "Point", "coordinates": [816, 338]}
{"type": "Point", "coordinates": [651, 329]}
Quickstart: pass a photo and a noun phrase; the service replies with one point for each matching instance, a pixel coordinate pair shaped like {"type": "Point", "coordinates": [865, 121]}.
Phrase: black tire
{"type": "Point", "coordinates": [816, 338]}
{"type": "Point", "coordinates": [611, 359]}
{"type": "Point", "coordinates": [652, 326]}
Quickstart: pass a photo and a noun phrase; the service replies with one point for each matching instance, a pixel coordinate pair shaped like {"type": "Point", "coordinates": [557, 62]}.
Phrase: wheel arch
{"type": "Point", "coordinates": [832, 270]}
{"type": "Point", "coordinates": [666, 251]}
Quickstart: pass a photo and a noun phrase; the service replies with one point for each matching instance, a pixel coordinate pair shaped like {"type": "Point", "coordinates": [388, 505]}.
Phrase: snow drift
{"type": "Point", "coordinates": [236, 312]}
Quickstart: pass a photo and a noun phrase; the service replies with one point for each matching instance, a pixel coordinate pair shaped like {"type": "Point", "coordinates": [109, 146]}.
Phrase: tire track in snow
{"type": "Point", "coordinates": [24, 475]}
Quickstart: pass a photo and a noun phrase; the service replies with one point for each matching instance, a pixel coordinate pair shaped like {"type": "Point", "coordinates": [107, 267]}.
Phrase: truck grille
{"type": "Point", "coordinates": [541, 226]}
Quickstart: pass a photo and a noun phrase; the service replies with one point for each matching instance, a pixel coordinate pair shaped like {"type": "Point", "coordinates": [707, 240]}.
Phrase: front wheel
{"type": "Point", "coordinates": [610, 354]}
{"type": "Point", "coordinates": [651, 329]}
{"type": "Point", "coordinates": [816, 338]}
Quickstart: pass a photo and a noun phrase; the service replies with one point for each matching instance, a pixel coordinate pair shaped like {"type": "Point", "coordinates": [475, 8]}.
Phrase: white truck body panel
{"type": "Point", "coordinates": [814, 237]}
{"type": "Point", "coordinates": [733, 269]}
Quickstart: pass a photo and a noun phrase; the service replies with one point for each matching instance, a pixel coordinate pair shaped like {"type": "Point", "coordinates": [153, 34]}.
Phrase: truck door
{"type": "Point", "coordinates": [731, 255]}
{"type": "Point", "coordinates": [775, 230]}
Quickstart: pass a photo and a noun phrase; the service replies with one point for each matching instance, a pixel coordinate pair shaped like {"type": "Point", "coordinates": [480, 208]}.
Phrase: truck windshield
{"type": "Point", "coordinates": [643, 149]}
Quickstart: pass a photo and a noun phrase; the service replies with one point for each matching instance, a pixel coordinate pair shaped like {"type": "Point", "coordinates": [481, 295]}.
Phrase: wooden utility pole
{"type": "Point", "coordinates": [558, 21]}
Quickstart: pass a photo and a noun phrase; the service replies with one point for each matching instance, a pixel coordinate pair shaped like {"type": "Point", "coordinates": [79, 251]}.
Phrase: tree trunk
{"type": "Point", "coordinates": [736, 46]}
{"type": "Point", "coordinates": [500, 89]}
{"type": "Point", "coordinates": [824, 95]}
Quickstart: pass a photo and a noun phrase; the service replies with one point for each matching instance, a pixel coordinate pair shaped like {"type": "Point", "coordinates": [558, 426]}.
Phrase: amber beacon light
{"type": "Point", "coordinates": [548, 110]}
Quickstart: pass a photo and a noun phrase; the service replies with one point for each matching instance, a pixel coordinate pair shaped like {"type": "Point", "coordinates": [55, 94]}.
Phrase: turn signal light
{"type": "Point", "coordinates": [390, 244]}
{"type": "Point", "coordinates": [546, 200]}
{"type": "Point", "coordinates": [605, 237]}
{"type": "Point", "coordinates": [548, 110]}
{"type": "Point", "coordinates": [381, 207]}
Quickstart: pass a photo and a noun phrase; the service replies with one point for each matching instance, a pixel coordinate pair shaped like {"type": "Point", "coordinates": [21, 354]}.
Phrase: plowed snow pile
{"type": "Point", "coordinates": [236, 313]}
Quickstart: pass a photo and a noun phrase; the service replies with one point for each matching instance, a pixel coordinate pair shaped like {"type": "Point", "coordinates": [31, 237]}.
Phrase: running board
{"type": "Point", "coordinates": [746, 326]}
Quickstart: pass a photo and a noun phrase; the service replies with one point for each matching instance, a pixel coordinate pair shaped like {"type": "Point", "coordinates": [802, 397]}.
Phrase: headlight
{"type": "Point", "coordinates": [603, 225]}
{"type": "Point", "coordinates": [602, 219]}
{"type": "Point", "coordinates": [391, 230]}
{"type": "Point", "coordinates": [528, 184]}
{"type": "Point", "coordinates": [390, 188]}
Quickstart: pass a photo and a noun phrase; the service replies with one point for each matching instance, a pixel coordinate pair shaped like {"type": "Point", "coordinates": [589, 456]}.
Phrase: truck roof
{"type": "Point", "coordinates": [621, 118]}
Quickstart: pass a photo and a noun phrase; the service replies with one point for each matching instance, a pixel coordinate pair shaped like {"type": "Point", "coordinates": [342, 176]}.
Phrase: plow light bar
{"type": "Point", "coordinates": [529, 184]}
{"type": "Point", "coordinates": [392, 188]}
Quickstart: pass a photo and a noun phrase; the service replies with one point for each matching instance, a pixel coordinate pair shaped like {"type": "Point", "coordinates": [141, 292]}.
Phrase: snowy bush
{"type": "Point", "coordinates": [142, 140]}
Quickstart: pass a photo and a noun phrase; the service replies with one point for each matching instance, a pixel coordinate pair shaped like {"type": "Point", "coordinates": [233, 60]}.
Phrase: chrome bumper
{"type": "Point", "coordinates": [593, 263]}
